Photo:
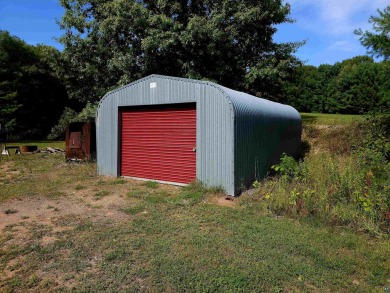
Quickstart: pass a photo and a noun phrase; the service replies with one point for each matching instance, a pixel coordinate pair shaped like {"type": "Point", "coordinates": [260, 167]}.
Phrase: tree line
{"type": "Point", "coordinates": [32, 96]}
{"type": "Point", "coordinates": [108, 44]}
{"type": "Point", "coordinates": [354, 86]}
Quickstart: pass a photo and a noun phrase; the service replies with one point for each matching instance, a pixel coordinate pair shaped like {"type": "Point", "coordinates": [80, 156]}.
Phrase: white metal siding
{"type": "Point", "coordinates": [214, 155]}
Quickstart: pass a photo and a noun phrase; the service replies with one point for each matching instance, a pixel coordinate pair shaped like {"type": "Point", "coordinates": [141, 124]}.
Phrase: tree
{"type": "Point", "coordinates": [32, 98]}
{"type": "Point", "coordinates": [354, 86]}
{"type": "Point", "coordinates": [13, 53]}
{"type": "Point", "coordinates": [377, 42]}
{"type": "Point", "coordinates": [304, 89]}
{"type": "Point", "coordinates": [109, 43]}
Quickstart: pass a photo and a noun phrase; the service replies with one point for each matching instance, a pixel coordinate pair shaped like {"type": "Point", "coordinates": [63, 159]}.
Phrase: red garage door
{"type": "Point", "coordinates": [159, 142]}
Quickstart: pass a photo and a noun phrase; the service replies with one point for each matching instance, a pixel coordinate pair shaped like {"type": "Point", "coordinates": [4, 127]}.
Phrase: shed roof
{"type": "Point", "coordinates": [241, 101]}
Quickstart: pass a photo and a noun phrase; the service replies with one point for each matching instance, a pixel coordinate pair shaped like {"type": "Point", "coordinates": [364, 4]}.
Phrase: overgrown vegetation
{"type": "Point", "coordinates": [347, 184]}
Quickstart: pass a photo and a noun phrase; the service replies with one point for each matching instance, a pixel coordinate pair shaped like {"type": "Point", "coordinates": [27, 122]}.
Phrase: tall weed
{"type": "Point", "coordinates": [340, 188]}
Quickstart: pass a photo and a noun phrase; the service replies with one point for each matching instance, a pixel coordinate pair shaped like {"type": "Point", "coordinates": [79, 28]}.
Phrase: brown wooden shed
{"type": "Point", "coordinates": [80, 141]}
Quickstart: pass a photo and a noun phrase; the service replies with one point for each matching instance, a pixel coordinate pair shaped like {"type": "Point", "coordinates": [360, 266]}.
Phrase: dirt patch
{"type": "Point", "coordinates": [8, 172]}
{"type": "Point", "coordinates": [48, 240]}
{"type": "Point", "coordinates": [27, 222]}
{"type": "Point", "coordinates": [5, 166]}
{"type": "Point", "coordinates": [13, 267]}
{"type": "Point", "coordinates": [18, 235]}
{"type": "Point", "coordinates": [226, 201]}
{"type": "Point", "coordinates": [46, 211]}
{"type": "Point", "coordinates": [346, 252]}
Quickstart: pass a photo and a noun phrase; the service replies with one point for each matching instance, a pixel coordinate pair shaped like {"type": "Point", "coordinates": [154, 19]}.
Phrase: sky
{"type": "Point", "coordinates": [326, 25]}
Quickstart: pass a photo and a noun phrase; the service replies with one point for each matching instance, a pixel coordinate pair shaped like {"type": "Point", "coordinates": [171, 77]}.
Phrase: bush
{"type": "Point", "coordinates": [290, 168]}
{"type": "Point", "coordinates": [375, 148]}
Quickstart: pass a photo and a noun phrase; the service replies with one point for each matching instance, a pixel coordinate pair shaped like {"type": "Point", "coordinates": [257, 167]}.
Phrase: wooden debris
{"type": "Point", "coordinates": [49, 150]}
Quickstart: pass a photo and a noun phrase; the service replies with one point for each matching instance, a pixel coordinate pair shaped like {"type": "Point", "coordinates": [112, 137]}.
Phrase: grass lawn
{"type": "Point", "coordinates": [65, 228]}
{"type": "Point", "coordinates": [328, 119]}
{"type": "Point", "coordinates": [41, 144]}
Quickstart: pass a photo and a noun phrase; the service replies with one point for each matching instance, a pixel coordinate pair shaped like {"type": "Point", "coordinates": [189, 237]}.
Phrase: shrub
{"type": "Point", "coordinates": [374, 151]}
{"type": "Point", "coordinates": [290, 168]}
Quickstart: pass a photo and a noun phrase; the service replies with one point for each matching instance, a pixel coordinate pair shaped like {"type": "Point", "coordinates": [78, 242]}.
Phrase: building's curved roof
{"type": "Point", "coordinates": [241, 102]}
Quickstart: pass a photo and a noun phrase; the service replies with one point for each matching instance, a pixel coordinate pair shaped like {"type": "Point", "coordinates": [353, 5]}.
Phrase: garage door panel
{"type": "Point", "coordinates": [169, 149]}
{"type": "Point", "coordinates": [168, 140]}
{"type": "Point", "coordinates": [141, 170]}
{"type": "Point", "coordinates": [157, 161]}
{"type": "Point", "coordinates": [158, 143]}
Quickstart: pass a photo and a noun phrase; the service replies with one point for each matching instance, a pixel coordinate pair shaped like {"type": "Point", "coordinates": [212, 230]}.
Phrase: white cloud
{"type": "Point", "coordinates": [344, 46]}
{"type": "Point", "coordinates": [334, 17]}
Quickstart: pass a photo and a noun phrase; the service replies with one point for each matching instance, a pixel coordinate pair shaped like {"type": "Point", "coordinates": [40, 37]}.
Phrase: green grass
{"type": "Point", "coordinates": [329, 119]}
{"type": "Point", "coordinates": [151, 184]}
{"type": "Point", "coordinates": [101, 194]}
{"type": "Point", "coordinates": [41, 143]}
{"type": "Point", "coordinates": [21, 175]}
{"type": "Point", "coordinates": [118, 181]}
{"type": "Point", "coordinates": [206, 248]}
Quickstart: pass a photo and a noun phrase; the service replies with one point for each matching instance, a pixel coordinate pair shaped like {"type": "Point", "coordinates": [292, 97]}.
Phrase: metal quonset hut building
{"type": "Point", "coordinates": [177, 130]}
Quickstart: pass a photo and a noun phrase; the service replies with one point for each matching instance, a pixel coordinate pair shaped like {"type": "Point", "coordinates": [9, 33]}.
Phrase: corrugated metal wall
{"type": "Point", "coordinates": [239, 136]}
{"type": "Point", "coordinates": [263, 131]}
{"type": "Point", "coordinates": [215, 124]}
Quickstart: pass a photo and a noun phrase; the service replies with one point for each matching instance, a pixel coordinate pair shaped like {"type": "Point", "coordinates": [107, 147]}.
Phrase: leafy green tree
{"type": "Point", "coordinates": [13, 54]}
{"type": "Point", "coordinates": [304, 89]}
{"type": "Point", "coordinates": [361, 86]}
{"type": "Point", "coordinates": [109, 43]}
{"type": "Point", "coordinates": [377, 42]}
{"type": "Point", "coordinates": [313, 88]}
{"type": "Point", "coordinates": [32, 98]}
{"type": "Point", "coordinates": [326, 79]}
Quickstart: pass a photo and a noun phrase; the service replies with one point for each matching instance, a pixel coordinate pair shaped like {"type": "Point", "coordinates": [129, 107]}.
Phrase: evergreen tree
{"type": "Point", "coordinates": [377, 42]}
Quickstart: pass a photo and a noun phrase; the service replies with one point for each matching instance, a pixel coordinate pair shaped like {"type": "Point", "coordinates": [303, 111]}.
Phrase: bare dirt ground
{"type": "Point", "coordinates": [46, 211]}
{"type": "Point", "coordinates": [42, 221]}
